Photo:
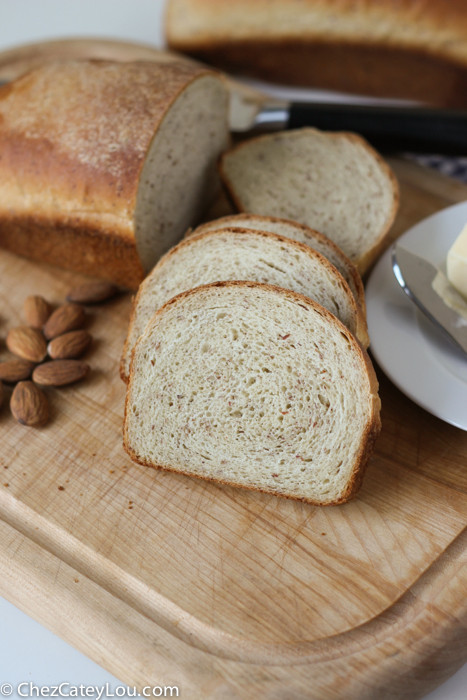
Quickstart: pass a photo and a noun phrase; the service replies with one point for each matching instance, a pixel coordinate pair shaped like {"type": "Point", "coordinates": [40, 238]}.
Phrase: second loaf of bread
{"type": "Point", "coordinates": [415, 49]}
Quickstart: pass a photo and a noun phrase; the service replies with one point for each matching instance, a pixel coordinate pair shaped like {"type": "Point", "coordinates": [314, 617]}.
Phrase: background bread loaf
{"type": "Point", "coordinates": [415, 49]}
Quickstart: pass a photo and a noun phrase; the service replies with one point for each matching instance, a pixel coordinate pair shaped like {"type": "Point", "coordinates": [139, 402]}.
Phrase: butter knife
{"type": "Point", "coordinates": [416, 275]}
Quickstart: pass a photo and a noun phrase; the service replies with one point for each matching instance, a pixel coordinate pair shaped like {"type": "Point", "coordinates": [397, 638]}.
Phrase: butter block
{"type": "Point", "coordinates": [456, 263]}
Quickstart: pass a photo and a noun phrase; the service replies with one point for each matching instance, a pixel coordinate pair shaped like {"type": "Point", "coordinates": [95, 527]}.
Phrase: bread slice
{"type": "Point", "coordinates": [333, 182]}
{"type": "Point", "coordinates": [105, 164]}
{"type": "Point", "coordinates": [256, 386]}
{"type": "Point", "coordinates": [242, 254]}
{"type": "Point", "coordinates": [298, 232]}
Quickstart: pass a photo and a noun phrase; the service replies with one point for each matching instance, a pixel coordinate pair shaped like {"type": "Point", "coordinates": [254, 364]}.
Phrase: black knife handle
{"type": "Point", "coordinates": [416, 129]}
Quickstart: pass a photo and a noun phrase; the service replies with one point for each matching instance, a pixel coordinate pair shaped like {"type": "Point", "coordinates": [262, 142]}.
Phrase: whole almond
{"type": "Point", "coordinates": [16, 370]}
{"type": "Point", "coordinates": [60, 372]}
{"type": "Point", "coordinates": [92, 292]}
{"type": "Point", "coordinates": [36, 311]}
{"type": "Point", "coordinates": [67, 317]}
{"type": "Point", "coordinates": [27, 343]}
{"type": "Point", "coordinates": [28, 404]}
{"type": "Point", "coordinates": [68, 345]}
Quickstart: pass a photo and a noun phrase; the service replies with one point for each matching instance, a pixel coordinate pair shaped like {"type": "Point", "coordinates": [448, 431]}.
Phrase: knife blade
{"type": "Point", "coordinates": [416, 275]}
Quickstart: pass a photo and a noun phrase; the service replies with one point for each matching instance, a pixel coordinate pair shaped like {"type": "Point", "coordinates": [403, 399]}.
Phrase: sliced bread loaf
{"type": "Point", "coordinates": [334, 182]}
{"type": "Point", "coordinates": [104, 164]}
{"type": "Point", "coordinates": [254, 386]}
{"type": "Point", "coordinates": [242, 254]}
{"type": "Point", "coordinates": [298, 232]}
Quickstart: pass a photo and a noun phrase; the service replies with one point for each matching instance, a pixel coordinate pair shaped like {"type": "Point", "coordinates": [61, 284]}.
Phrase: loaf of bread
{"type": "Point", "coordinates": [331, 181]}
{"type": "Point", "coordinates": [415, 49]}
{"type": "Point", "coordinates": [297, 232]}
{"type": "Point", "coordinates": [255, 386]}
{"type": "Point", "coordinates": [103, 165]}
{"type": "Point", "coordinates": [242, 254]}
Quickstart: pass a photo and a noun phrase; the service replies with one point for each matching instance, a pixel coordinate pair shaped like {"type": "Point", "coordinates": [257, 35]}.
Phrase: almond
{"type": "Point", "coordinates": [1, 394]}
{"type": "Point", "coordinates": [72, 344]}
{"type": "Point", "coordinates": [60, 372]}
{"type": "Point", "coordinates": [66, 318]}
{"type": "Point", "coordinates": [92, 292]}
{"type": "Point", "coordinates": [27, 343]}
{"type": "Point", "coordinates": [16, 370]}
{"type": "Point", "coordinates": [36, 311]}
{"type": "Point", "coordinates": [28, 404]}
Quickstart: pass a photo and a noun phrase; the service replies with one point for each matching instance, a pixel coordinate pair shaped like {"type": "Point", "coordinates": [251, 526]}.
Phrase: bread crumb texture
{"type": "Point", "coordinates": [242, 254]}
{"type": "Point", "coordinates": [255, 386]}
{"type": "Point", "coordinates": [333, 182]}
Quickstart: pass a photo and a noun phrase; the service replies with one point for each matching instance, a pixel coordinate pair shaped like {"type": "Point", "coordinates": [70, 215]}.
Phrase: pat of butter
{"type": "Point", "coordinates": [456, 263]}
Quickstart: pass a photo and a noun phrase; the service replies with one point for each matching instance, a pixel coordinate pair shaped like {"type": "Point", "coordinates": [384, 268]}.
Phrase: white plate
{"type": "Point", "coordinates": [414, 354]}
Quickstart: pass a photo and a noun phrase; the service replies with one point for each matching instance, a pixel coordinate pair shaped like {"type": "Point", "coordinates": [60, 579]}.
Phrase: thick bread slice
{"type": "Point", "coordinates": [255, 386]}
{"type": "Point", "coordinates": [333, 182]}
{"type": "Point", "coordinates": [298, 232]}
{"type": "Point", "coordinates": [105, 164]}
{"type": "Point", "coordinates": [242, 254]}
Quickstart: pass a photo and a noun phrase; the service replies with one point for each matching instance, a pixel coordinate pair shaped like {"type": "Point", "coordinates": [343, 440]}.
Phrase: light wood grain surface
{"type": "Point", "coordinates": [230, 594]}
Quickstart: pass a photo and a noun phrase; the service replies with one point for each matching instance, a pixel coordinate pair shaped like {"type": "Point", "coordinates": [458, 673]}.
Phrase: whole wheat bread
{"type": "Point", "coordinates": [333, 182]}
{"type": "Point", "coordinates": [242, 254]}
{"type": "Point", "coordinates": [255, 386]}
{"type": "Point", "coordinates": [298, 232]}
{"type": "Point", "coordinates": [104, 164]}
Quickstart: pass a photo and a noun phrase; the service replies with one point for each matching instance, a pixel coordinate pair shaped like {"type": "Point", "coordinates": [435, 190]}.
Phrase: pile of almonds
{"type": "Point", "coordinates": [47, 349]}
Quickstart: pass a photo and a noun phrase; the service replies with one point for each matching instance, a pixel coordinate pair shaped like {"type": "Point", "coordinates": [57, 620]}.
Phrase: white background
{"type": "Point", "coordinates": [29, 652]}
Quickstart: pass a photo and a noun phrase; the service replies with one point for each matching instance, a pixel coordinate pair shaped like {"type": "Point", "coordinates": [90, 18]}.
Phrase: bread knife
{"type": "Point", "coordinates": [416, 275]}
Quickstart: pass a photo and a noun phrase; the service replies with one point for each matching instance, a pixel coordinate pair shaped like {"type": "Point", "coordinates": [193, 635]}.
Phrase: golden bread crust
{"type": "Point", "coordinates": [415, 49]}
{"type": "Point", "coordinates": [73, 139]}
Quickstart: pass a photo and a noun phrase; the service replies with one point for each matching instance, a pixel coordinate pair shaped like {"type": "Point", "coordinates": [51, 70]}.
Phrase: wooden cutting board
{"type": "Point", "coordinates": [166, 580]}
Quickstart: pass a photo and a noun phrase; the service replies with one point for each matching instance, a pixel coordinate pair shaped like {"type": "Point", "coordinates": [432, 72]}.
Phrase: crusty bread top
{"type": "Point", "coordinates": [297, 232]}
{"type": "Point", "coordinates": [242, 254]}
{"type": "Point", "coordinates": [334, 182]}
{"type": "Point", "coordinates": [255, 386]}
{"type": "Point", "coordinates": [74, 135]}
{"type": "Point", "coordinates": [438, 27]}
